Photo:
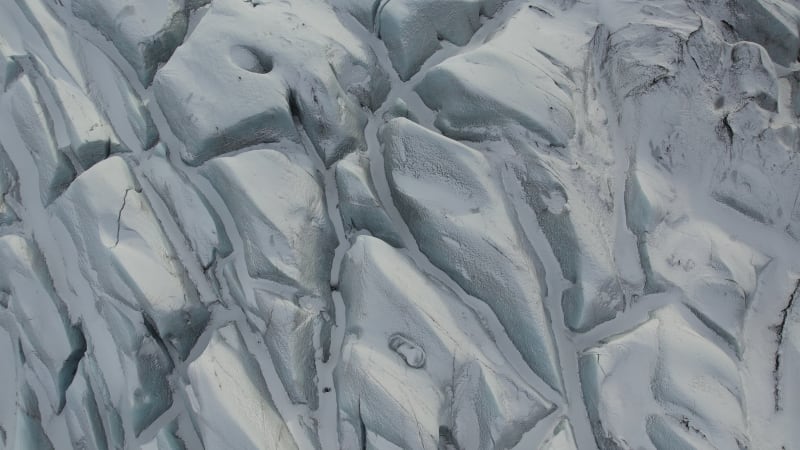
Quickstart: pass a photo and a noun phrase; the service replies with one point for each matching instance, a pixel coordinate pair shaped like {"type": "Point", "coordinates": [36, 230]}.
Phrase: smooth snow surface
{"type": "Point", "coordinates": [399, 224]}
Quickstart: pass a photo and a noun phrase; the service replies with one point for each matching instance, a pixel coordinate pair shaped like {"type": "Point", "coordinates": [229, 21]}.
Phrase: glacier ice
{"type": "Point", "coordinates": [412, 30]}
{"type": "Point", "coordinates": [562, 186]}
{"type": "Point", "coordinates": [419, 331]}
{"type": "Point", "coordinates": [359, 204]}
{"type": "Point", "coordinates": [561, 438]}
{"type": "Point", "coordinates": [689, 396]}
{"type": "Point", "coordinates": [385, 224]}
{"type": "Point", "coordinates": [201, 225]}
{"type": "Point", "coordinates": [506, 82]}
{"type": "Point", "coordinates": [259, 84]}
{"type": "Point", "coordinates": [231, 402]}
{"type": "Point", "coordinates": [109, 87]}
{"type": "Point", "coordinates": [29, 297]}
{"type": "Point", "coordinates": [55, 171]}
{"type": "Point", "coordinates": [294, 247]}
{"type": "Point", "coordinates": [90, 136]}
{"type": "Point", "coordinates": [8, 188]}
{"type": "Point", "coordinates": [439, 184]}
{"type": "Point", "coordinates": [145, 34]}
{"type": "Point", "coordinates": [125, 254]}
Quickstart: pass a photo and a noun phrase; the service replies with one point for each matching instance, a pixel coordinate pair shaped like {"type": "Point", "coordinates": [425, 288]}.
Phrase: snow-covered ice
{"type": "Point", "coordinates": [399, 224]}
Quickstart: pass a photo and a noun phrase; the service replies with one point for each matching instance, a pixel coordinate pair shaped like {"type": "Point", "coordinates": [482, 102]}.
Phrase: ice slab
{"type": "Point", "coordinates": [82, 406]}
{"type": "Point", "coordinates": [418, 368]}
{"type": "Point", "coordinates": [197, 219]}
{"type": "Point", "coordinates": [145, 33]}
{"type": "Point", "coordinates": [230, 399]}
{"type": "Point", "coordinates": [91, 138]}
{"type": "Point", "coordinates": [8, 389]}
{"type": "Point", "coordinates": [450, 197]}
{"type": "Point", "coordinates": [29, 431]}
{"type": "Point", "coordinates": [561, 438]}
{"type": "Point", "coordinates": [124, 253]}
{"type": "Point", "coordinates": [412, 29]}
{"type": "Point", "coordinates": [716, 273]}
{"type": "Point", "coordinates": [36, 132]}
{"type": "Point", "coordinates": [521, 89]}
{"type": "Point", "coordinates": [684, 387]}
{"type": "Point", "coordinates": [139, 373]}
{"type": "Point", "coordinates": [262, 79]}
{"type": "Point", "coordinates": [504, 84]}
{"type": "Point", "coordinates": [116, 97]}
{"type": "Point", "coordinates": [575, 220]}
{"type": "Point", "coordinates": [771, 24]}
{"type": "Point", "coordinates": [279, 208]}
{"type": "Point", "coordinates": [289, 334]}
{"type": "Point", "coordinates": [359, 205]}
{"type": "Point", "coordinates": [8, 188]}
{"type": "Point", "coordinates": [29, 296]}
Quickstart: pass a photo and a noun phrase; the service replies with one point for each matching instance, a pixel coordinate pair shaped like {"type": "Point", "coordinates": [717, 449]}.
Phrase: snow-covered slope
{"type": "Point", "coordinates": [415, 224]}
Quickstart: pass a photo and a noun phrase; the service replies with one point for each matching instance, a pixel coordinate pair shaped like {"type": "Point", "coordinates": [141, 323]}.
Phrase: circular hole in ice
{"type": "Point", "coordinates": [251, 59]}
{"type": "Point", "coordinates": [412, 354]}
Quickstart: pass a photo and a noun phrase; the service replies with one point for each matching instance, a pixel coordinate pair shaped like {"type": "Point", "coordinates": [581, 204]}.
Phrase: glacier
{"type": "Point", "coordinates": [399, 224]}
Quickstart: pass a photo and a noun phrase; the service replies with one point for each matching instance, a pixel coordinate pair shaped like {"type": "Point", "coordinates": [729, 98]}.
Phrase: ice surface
{"type": "Point", "coordinates": [561, 438]}
{"type": "Point", "coordinates": [716, 273]}
{"type": "Point", "coordinates": [289, 332]}
{"type": "Point", "coordinates": [486, 93]}
{"type": "Point", "coordinates": [200, 224]}
{"type": "Point", "coordinates": [278, 206]}
{"type": "Point", "coordinates": [258, 82]}
{"type": "Point", "coordinates": [36, 133]}
{"type": "Point", "coordinates": [506, 82]}
{"type": "Point", "coordinates": [28, 295]}
{"type": "Point", "coordinates": [412, 29]}
{"type": "Point", "coordinates": [454, 379]}
{"type": "Point", "coordinates": [29, 432]}
{"type": "Point", "coordinates": [233, 406]}
{"type": "Point", "coordinates": [118, 98]}
{"type": "Point", "coordinates": [439, 184]}
{"type": "Point", "coordinates": [125, 254]}
{"type": "Point", "coordinates": [738, 99]}
{"type": "Point", "coordinates": [8, 188]}
{"type": "Point", "coordinates": [787, 359]}
{"type": "Point", "coordinates": [359, 204]}
{"type": "Point", "coordinates": [685, 387]}
{"type": "Point", "coordinates": [91, 137]}
{"type": "Point", "coordinates": [386, 224]}
{"type": "Point", "coordinates": [144, 367]}
{"type": "Point", "coordinates": [89, 424]}
{"type": "Point", "coordinates": [571, 221]}
{"type": "Point", "coordinates": [145, 33]}
{"type": "Point", "coordinates": [167, 439]}
{"type": "Point", "coordinates": [8, 389]}
{"type": "Point", "coordinates": [768, 23]}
